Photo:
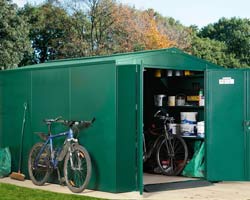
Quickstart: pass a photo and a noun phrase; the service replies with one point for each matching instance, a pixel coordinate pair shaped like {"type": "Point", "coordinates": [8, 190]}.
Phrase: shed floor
{"type": "Point", "coordinates": [155, 178]}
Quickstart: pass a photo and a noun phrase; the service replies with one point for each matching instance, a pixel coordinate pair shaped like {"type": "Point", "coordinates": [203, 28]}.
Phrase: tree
{"type": "Point", "coordinates": [213, 51]}
{"type": "Point", "coordinates": [153, 38]}
{"type": "Point", "coordinates": [137, 30]}
{"type": "Point", "coordinates": [99, 13]}
{"type": "Point", "coordinates": [175, 31]}
{"type": "Point", "coordinates": [50, 31]}
{"type": "Point", "coordinates": [235, 33]}
{"type": "Point", "coordinates": [14, 41]}
{"type": "Point", "coordinates": [112, 27]}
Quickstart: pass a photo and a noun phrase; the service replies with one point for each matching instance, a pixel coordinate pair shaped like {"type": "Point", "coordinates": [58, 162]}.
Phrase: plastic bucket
{"type": "Point", "coordinates": [189, 117]}
{"type": "Point", "coordinates": [159, 100]}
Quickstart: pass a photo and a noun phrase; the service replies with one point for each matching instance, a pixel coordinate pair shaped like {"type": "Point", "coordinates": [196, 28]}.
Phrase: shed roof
{"type": "Point", "coordinates": [162, 58]}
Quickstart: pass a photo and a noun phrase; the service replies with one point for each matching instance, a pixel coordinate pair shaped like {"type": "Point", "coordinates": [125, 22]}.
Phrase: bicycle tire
{"type": "Point", "coordinates": [172, 165]}
{"type": "Point", "coordinates": [39, 174]}
{"type": "Point", "coordinates": [77, 179]}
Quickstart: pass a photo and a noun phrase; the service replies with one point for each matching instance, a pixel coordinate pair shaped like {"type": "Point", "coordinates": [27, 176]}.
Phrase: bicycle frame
{"type": "Point", "coordinates": [49, 141]}
{"type": "Point", "coordinates": [147, 154]}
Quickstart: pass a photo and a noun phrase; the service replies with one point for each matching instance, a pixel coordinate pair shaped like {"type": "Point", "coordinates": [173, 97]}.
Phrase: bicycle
{"type": "Point", "coordinates": [44, 158]}
{"type": "Point", "coordinates": [170, 149]}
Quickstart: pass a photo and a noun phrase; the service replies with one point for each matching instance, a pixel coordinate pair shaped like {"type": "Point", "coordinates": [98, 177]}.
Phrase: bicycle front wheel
{"type": "Point", "coordinates": [77, 168]}
{"type": "Point", "coordinates": [172, 155]}
{"type": "Point", "coordinates": [39, 164]}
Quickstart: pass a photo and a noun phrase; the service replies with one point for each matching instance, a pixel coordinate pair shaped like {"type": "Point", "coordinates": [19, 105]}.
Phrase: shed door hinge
{"type": "Point", "coordinates": [136, 106]}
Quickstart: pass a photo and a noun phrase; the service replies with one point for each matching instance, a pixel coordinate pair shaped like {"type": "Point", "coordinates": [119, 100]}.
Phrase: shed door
{"type": "Point", "coordinates": [247, 123]}
{"type": "Point", "coordinates": [129, 155]}
{"type": "Point", "coordinates": [225, 135]}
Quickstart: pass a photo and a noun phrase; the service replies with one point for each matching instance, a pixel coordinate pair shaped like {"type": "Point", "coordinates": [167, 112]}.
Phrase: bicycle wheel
{"type": "Point", "coordinates": [172, 155]}
{"type": "Point", "coordinates": [39, 167]}
{"type": "Point", "coordinates": [77, 168]}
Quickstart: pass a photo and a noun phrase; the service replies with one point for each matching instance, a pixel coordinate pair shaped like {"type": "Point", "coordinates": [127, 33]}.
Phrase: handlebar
{"type": "Point", "coordinates": [52, 120]}
{"type": "Point", "coordinates": [163, 116]}
{"type": "Point", "coordinates": [70, 123]}
{"type": "Point", "coordinates": [80, 123]}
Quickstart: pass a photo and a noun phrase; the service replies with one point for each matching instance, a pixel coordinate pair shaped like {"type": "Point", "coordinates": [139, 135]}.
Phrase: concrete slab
{"type": "Point", "coordinates": [218, 191]}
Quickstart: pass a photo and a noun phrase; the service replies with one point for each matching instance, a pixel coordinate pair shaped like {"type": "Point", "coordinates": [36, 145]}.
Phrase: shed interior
{"type": "Point", "coordinates": [183, 92]}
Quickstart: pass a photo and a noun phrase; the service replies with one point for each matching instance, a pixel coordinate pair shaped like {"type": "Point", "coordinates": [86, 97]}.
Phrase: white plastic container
{"type": "Point", "coordinates": [159, 99]}
{"type": "Point", "coordinates": [189, 117]}
{"type": "Point", "coordinates": [175, 128]}
{"type": "Point", "coordinates": [202, 101]}
{"type": "Point", "coordinates": [187, 128]}
{"type": "Point", "coordinates": [201, 127]}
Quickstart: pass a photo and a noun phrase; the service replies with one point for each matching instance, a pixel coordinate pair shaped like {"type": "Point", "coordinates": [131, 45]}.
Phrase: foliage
{"type": "Point", "coordinates": [175, 31]}
{"type": "Point", "coordinates": [235, 33]}
{"type": "Point", "coordinates": [90, 27]}
{"type": "Point", "coordinates": [11, 192]}
{"type": "Point", "coordinates": [14, 41]}
{"type": "Point", "coordinates": [213, 51]}
{"type": "Point", "coordinates": [77, 28]}
{"type": "Point", "coordinates": [49, 31]}
{"type": "Point", "coordinates": [137, 30]}
{"type": "Point", "coordinates": [153, 38]}
{"type": "Point", "coordinates": [100, 15]}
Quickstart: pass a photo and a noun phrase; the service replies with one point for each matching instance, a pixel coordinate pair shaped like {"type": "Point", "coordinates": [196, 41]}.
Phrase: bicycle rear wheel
{"type": "Point", "coordinates": [172, 155]}
{"type": "Point", "coordinates": [39, 165]}
{"type": "Point", "coordinates": [77, 168]}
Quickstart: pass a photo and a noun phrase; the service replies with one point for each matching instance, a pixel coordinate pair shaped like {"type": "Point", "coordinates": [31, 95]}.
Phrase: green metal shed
{"type": "Point", "coordinates": [118, 91]}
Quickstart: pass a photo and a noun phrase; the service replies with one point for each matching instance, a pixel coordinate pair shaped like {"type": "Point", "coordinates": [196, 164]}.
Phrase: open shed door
{"type": "Point", "coordinates": [225, 130]}
{"type": "Point", "coordinates": [129, 128]}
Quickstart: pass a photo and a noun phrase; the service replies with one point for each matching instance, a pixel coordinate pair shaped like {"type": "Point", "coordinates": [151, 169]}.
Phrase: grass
{"type": "Point", "coordinates": [12, 192]}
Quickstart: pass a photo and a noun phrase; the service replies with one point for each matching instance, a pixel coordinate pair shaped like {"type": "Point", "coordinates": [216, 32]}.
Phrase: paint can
{"type": "Point", "coordinates": [171, 100]}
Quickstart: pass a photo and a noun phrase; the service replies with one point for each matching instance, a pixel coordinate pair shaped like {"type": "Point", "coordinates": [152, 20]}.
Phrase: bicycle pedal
{"type": "Point", "coordinates": [72, 183]}
{"type": "Point", "coordinates": [81, 154]}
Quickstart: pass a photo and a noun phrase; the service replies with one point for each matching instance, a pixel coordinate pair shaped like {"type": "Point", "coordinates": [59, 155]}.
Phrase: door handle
{"type": "Point", "coordinates": [247, 125]}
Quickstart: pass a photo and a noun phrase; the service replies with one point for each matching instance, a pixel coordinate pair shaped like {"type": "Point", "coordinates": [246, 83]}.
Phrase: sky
{"type": "Point", "coordinates": [188, 12]}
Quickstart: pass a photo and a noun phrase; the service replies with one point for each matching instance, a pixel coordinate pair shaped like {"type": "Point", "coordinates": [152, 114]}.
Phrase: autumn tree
{"type": "Point", "coordinates": [175, 31]}
{"type": "Point", "coordinates": [153, 38]}
{"type": "Point", "coordinates": [137, 30]}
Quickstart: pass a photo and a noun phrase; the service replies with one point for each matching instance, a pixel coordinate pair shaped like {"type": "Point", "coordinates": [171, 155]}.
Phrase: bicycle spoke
{"type": "Point", "coordinates": [176, 157]}
{"type": "Point", "coordinates": [38, 164]}
{"type": "Point", "coordinates": [77, 170]}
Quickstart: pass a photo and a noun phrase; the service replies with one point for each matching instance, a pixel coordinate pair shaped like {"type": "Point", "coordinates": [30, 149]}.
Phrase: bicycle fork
{"type": "Point", "coordinates": [77, 161]}
{"type": "Point", "coordinates": [168, 143]}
